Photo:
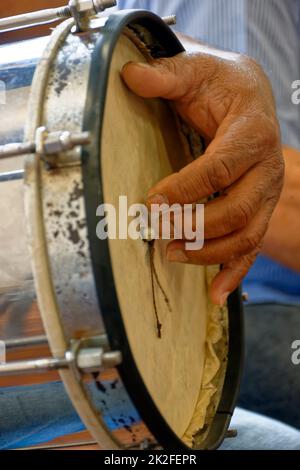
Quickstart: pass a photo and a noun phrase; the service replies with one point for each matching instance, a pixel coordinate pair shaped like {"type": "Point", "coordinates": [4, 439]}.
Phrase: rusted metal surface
{"type": "Point", "coordinates": [63, 202]}
{"type": "Point", "coordinates": [62, 218]}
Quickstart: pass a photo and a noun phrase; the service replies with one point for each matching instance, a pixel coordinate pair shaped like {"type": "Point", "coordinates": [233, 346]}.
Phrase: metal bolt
{"type": "Point", "coordinates": [57, 142]}
{"type": "Point", "coordinates": [231, 434]}
{"type": "Point", "coordinates": [82, 6]}
{"type": "Point", "coordinates": [170, 20]}
{"type": "Point", "coordinates": [101, 5]}
{"type": "Point", "coordinates": [111, 359]}
{"type": "Point", "coordinates": [75, 8]}
{"type": "Point", "coordinates": [87, 360]}
{"type": "Point", "coordinates": [46, 144]}
{"type": "Point", "coordinates": [90, 359]}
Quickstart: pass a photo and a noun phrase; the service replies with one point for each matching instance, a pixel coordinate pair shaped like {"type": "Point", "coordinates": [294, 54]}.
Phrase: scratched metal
{"type": "Point", "coordinates": [63, 198]}
{"type": "Point", "coordinates": [64, 218]}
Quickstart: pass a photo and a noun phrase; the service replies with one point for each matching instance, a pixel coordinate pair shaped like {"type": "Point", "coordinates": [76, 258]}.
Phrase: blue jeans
{"type": "Point", "coordinates": [37, 414]}
{"type": "Point", "coordinates": [271, 384]}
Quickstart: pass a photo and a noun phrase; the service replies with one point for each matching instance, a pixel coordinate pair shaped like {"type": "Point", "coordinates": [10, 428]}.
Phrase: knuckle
{"type": "Point", "coordinates": [171, 65]}
{"type": "Point", "coordinates": [267, 131]}
{"type": "Point", "coordinates": [271, 130]}
{"type": "Point", "coordinates": [237, 216]}
{"type": "Point", "coordinates": [251, 68]}
{"type": "Point", "coordinates": [251, 242]}
{"type": "Point", "coordinates": [265, 139]}
{"type": "Point", "coordinates": [275, 166]}
{"type": "Point", "coordinates": [242, 214]}
{"type": "Point", "coordinates": [254, 65]}
{"type": "Point", "coordinates": [248, 74]}
{"type": "Point", "coordinates": [218, 174]}
{"type": "Point", "coordinates": [186, 189]}
{"type": "Point", "coordinates": [250, 259]}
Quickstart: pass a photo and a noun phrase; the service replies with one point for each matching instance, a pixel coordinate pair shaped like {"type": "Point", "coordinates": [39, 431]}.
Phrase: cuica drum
{"type": "Point", "coordinates": [74, 137]}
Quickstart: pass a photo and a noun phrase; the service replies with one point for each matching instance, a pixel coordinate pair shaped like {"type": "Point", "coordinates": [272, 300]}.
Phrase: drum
{"type": "Point", "coordinates": [74, 137]}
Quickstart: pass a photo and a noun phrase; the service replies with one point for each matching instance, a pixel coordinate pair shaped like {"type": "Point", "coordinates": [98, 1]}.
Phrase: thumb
{"type": "Point", "coordinates": [164, 78]}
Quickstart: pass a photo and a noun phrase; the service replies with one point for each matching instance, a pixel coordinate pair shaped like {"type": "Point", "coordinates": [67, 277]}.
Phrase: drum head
{"type": "Point", "coordinates": [140, 146]}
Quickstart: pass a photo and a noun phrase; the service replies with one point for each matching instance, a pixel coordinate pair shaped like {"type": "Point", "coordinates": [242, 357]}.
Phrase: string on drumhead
{"type": "Point", "coordinates": [154, 277]}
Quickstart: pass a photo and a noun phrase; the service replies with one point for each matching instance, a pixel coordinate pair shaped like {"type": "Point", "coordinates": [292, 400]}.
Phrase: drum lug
{"type": "Point", "coordinates": [90, 360]}
{"type": "Point", "coordinates": [93, 354]}
{"type": "Point", "coordinates": [82, 10]}
{"type": "Point", "coordinates": [231, 434]}
{"type": "Point", "coordinates": [84, 359]}
{"type": "Point", "coordinates": [46, 144]}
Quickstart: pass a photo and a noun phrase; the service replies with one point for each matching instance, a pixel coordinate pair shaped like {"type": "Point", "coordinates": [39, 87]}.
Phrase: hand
{"type": "Point", "coordinates": [282, 241]}
{"type": "Point", "coordinates": [228, 100]}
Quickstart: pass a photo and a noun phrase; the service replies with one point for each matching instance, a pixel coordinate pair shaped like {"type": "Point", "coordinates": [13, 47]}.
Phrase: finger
{"type": "Point", "coordinates": [231, 211]}
{"type": "Point", "coordinates": [235, 208]}
{"type": "Point", "coordinates": [233, 152]}
{"type": "Point", "coordinates": [225, 249]}
{"type": "Point", "coordinates": [171, 78]}
{"type": "Point", "coordinates": [230, 277]}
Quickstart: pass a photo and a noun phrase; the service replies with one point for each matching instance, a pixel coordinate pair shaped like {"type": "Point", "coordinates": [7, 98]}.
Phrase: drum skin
{"type": "Point", "coordinates": [103, 268]}
{"type": "Point", "coordinates": [95, 307]}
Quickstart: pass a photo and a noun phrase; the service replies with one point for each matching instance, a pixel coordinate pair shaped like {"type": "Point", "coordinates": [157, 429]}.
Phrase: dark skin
{"type": "Point", "coordinates": [228, 99]}
{"type": "Point", "coordinates": [282, 241]}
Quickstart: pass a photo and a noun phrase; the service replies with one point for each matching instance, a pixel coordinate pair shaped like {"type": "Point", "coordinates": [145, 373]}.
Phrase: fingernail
{"type": "Point", "coordinates": [177, 256]}
{"type": "Point", "coordinates": [223, 298]}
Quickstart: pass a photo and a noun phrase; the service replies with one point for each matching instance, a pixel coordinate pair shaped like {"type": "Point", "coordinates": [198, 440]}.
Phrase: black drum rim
{"type": "Point", "coordinates": [100, 253]}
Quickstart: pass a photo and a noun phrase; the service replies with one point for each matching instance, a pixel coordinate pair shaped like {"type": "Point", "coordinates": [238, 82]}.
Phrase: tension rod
{"type": "Point", "coordinates": [76, 8]}
{"type": "Point", "coordinates": [50, 15]}
{"type": "Point", "coordinates": [46, 143]}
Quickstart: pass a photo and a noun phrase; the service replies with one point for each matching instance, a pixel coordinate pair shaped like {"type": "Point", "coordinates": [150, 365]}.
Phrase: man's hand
{"type": "Point", "coordinates": [228, 100]}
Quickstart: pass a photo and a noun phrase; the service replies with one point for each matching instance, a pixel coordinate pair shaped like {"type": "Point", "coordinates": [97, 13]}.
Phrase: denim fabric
{"type": "Point", "coordinates": [271, 384]}
{"type": "Point", "coordinates": [37, 414]}
{"type": "Point", "coordinates": [256, 432]}
{"type": "Point", "coordinates": [34, 415]}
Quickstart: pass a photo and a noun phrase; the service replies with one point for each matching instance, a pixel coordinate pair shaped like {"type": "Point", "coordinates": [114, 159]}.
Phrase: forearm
{"type": "Point", "coordinates": [282, 241]}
